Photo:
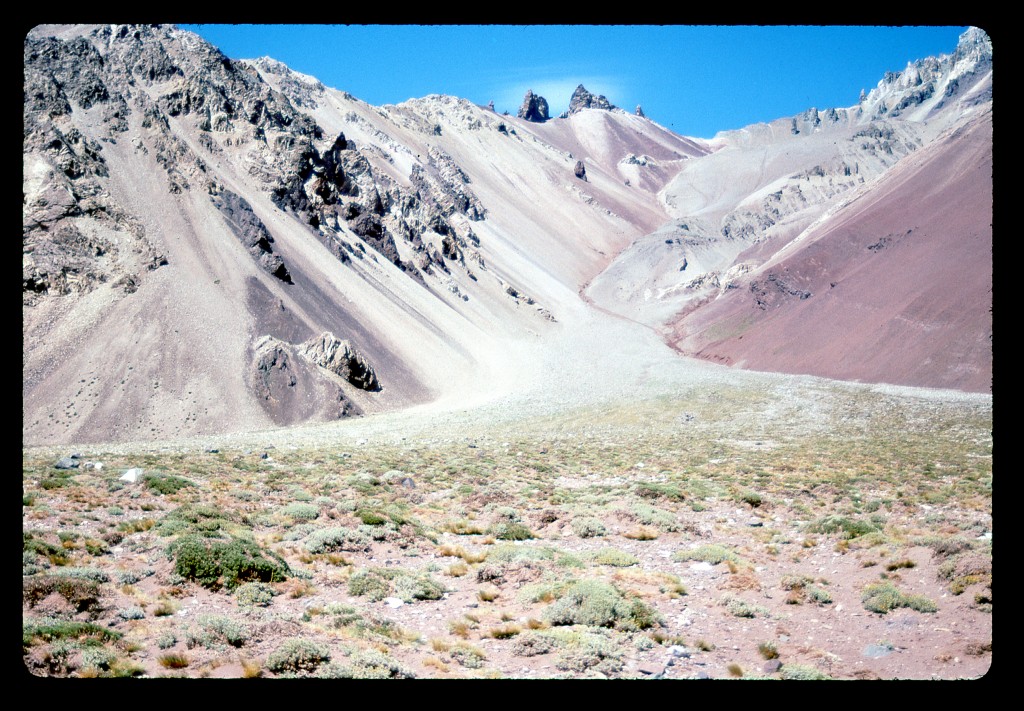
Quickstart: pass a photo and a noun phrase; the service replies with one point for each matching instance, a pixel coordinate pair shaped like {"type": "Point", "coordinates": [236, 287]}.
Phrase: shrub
{"type": "Point", "coordinates": [212, 630]}
{"type": "Point", "coordinates": [300, 510]}
{"type": "Point", "coordinates": [581, 651]}
{"type": "Point", "coordinates": [367, 664]}
{"type": "Point", "coordinates": [588, 527]}
{"type": "Point", "coordinates": [596, 603]}
{"type": "Point", "coordinates": [370, 584]}
{"type": "Point", "coordinates": [165, 483]}
{"type": "Point", "coordinates": [614, 557]}
{"type": "Point", "coordinates": [297, 655]}
{"type": "Point", "coordinates": [653, 516]}
{"type": "Point", "coordinates": [82, 594]}
{"type": "Point", "coordinates": [850, 528]}
{"type": "Point", "coordinates": [48, 629]}
{"type": "Point", "coordinates": [337, 538]}
{"type": "Point", "coordinates": [709, 553]}
{"type": "Point", "coordinates": [802, 672]}
{"type": "Point", "coordinates": [173, 661]}
{"type": "Point", "coordinates": [741, 608]}
{"type": "Point", "coordinates": [651, 490]}
{"type": "Point", "coordinates": [371, 518]}
{"type": "Point", "coordinates": [214, 564]}
{"type": "Point", "coordinates": [254, 594]}
{"type": "Point", "coordinates": [883, 597]}
{"type": "Point", "coordinates": [511, 532]}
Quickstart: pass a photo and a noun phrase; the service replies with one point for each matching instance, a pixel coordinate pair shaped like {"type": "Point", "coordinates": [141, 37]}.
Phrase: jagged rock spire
{"type": "Point", "coordinates": [534, 108]}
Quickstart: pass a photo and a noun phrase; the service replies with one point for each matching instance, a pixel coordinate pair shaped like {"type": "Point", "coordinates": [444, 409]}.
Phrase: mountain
{"type": "Point", "coordinates": [213, 245]}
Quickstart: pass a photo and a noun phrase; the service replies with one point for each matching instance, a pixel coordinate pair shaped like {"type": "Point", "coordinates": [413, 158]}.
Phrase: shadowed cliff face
{"type": "Point", "coordinates": [189, 222]}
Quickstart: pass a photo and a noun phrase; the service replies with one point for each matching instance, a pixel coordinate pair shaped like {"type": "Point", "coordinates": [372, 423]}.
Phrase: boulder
{"type": "Point", "coordinates": [580, 171]}
{"type": "Point", "coordinates": [338, 356]}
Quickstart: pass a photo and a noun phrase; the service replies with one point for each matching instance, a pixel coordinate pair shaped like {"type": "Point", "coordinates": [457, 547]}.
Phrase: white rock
{"type": "Point", "coordinates": [132, 475]}
{"type": "Point", "coordinates": [393, 602]}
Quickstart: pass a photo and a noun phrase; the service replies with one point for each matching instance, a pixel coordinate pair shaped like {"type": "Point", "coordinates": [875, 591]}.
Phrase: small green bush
{"type": "Point", "coordinates": [213, 630]}
{"type": "Point", "coordinates": [214, 564]}
{"type": "Point", "coordinates": [297, 655]}
{"type": "Point", "coordinates": [884, 597]}
{"type": "Point", "coordinates": [599, 604]}
{"type": "Point", "coordinates": [254, 594]}
{"type": "Point", "coordinates": [708, 553]}
{"type": "Point", "coordinates": [49, 629]}
{"type": "Point", "coordinates": [337, 538]}
{"type": "Point", "coordinates": [166, 483]}
{"type": "Point", "coordinates": [301, 511]}
{"type": "Point", "coordinates": [651, 490]}
{"type": "Point", "coordinates": [614, 557]}
{"type": "Point", "coordinates": [588, 527]}
{"type": "Point", "coordinates": [802, 672]}
{"type": "Point", "coordinates": [850, 528]}
{"type": "Point", "coordinates": [511, 532]}
{"type": "Point", "coordinates": [379, 583]}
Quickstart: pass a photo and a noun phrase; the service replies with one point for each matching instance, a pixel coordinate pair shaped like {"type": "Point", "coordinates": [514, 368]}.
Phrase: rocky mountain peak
{"type": "Point", "coordinates": [583, 99]}
{"type": "Point", "coordinates": [930, 84]}
{"type": "Point", "coordinates": [534, 108]}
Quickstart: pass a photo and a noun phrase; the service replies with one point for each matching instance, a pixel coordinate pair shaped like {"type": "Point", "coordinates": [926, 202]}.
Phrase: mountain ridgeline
{"type": "Point", "coordinates": [213, 245]}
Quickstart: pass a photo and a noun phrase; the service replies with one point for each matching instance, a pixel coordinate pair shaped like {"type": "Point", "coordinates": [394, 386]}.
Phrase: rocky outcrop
{"type": "Point", "coordinates": [338, 356]}
{"type": "Point", "coordinates": [580, 171]}
{"type": "Point", "coordinates": [640, 112]}
{"type": "Point", "coordinates": [290, 388]}
{"type": "Point", "coordinates": [583, 99]}
{"type": "Point", "coordinates": [534, 108]}
{"type": "Point", "coordinates": [251, 232]}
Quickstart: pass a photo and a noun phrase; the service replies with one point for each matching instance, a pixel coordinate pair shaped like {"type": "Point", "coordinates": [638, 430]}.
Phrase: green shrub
{"type": "Point", "coordinates": [379, 583]}
{"type": "Point", "coordinates": [614, 557]}
{"type": "Point", "coordinates": [49, 629]}
{"type": "Point", "coordinates": [166, 483]}
{"type": "Point", "coordinates": [708, 553]}
{"type": "Point", "coordinates": [511, 532]}
{"type": "Point", "coordinates": [213, 630]}
{"type": "Point", "coordinates": [371, 518]}
{"type": "Point", "coordinates": [599, 604]}
{"type": "Point", "coordinates": [883, 597]}
{"type": "Point", "coordinates": [588, 527]}
{"type": "Point", "coordinates": [802, 672]}
{"type": "Point", "coordinates": [337, 538]}
{"type": "Point", "coordinates": [297, 655]}
{"type": "Point", "coordinates": [370, 584]}
{"type": "Point", "coordinates": [651, 490]}
{"type": "Point", "coordinates": [367, 664]}
{"type": "Point", "coordinates": [741, 608]}
{"type": "Point", "coordinates": [653, 516]}
{"type": "Point", "coordinates": [850, 528]}
{"type": "Point", "coordinates": [301, 511]}
{"type": "Point", "coordinates": [254, 594]}
{"type": "Point", "coordinates": [583, 651]}
{"type": "Point", "coordinates": [214, 563]}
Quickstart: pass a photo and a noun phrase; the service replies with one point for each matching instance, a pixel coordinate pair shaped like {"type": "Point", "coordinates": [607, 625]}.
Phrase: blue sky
{"type": "Point", "coordinates": [695, 80]}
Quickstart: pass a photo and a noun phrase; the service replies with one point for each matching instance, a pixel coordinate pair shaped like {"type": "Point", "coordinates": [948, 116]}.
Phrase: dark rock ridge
{"type": "Point", "coordinates": [583, 99]}
{"type": "Point", "coordinates": [251, 232]}
{"type": "Point", "coordinates": [534, 108]}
